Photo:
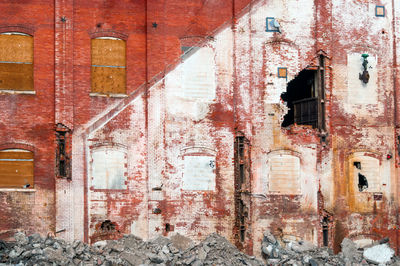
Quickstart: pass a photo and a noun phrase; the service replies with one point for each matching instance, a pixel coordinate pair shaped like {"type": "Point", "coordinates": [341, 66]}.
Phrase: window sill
{"type": "Point", "coordinates": [17, 92]}
{"type": "Point", "coordinates": [111, 95]}
{"type": "Point", "coordinates": [17, 190]}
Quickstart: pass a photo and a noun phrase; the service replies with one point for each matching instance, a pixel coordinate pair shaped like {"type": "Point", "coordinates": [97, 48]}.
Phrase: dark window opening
{"type": "Point", "coordinates": [61, 148]}
{"type": "Point", "coordinates": [304, 97]}
{"type": "Point", "coordinates": [107, 225]}
{"type": "Point", "coordinates": [357, 165]}
{"type": "Point", "coordinates": [241, 173]}
{"type": "Point", "coordinates": [325, 235]}
{"type": "Point", "coordinates": [242, 233]}
{"type": "Point", "coordinates": [63, 160]}
{"type": "Point", "coordinates": [169, 227]}
{"type": "Point", "coordinates": [362, 182]}
{"type": "Point", "coordinates": [157, 211]}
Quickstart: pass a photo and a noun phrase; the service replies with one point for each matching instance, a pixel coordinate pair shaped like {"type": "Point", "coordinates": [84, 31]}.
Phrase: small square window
{"type": "Point", "coordinates": [272, 25]}
{"type": "Point", "coordinates": [282, 72]}
{"type": "Point", "coordinates": [379, 11]}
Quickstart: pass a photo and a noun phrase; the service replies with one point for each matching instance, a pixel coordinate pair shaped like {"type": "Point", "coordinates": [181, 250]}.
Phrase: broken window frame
{"type": "Point", "coordinates": [309, 110]}
{"type": "Point", "coordinates": [63, 159]}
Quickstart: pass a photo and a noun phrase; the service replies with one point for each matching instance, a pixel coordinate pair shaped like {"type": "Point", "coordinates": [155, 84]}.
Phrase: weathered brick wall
{"type": "Point", "coordinates": [27, 121]}
{"type": "Point", "coordinates": [239, 94]}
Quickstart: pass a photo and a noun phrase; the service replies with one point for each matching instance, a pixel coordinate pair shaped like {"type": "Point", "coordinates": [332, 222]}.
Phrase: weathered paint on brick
{"type": "Point", "coordinates": [195, 106]}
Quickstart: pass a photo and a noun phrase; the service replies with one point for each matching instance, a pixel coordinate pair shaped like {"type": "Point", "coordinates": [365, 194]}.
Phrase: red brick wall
{"type": "Point", "coordinates": [62, 91]}
{"type": "Point", "coordinates": [29, 120]}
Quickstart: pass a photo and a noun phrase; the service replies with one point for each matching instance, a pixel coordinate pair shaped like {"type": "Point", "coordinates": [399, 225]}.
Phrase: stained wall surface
{"type": "Point", "coordinates": [197, 145]}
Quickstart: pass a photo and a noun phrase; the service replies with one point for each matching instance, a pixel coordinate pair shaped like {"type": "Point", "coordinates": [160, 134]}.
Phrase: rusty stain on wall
{"type": "Point", "coordinates": [215, 140]}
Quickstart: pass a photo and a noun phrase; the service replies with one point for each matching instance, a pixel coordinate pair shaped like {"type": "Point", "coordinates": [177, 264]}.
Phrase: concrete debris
{"type": "Point", "coordinates": [180, 250]}
{"type": "Point", "coordinates": [129, 250]}
{"type": "Point", "coordinates": [379, 254]}
{"type": "Point", "coordinates": [290, 251]}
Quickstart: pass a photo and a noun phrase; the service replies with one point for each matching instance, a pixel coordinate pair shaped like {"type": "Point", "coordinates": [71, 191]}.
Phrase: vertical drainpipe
{"type": "Point", "coordinates": [147, 113]}
{"type": "Point", "coordinates": [235, 231]}
{"type": "Point", "coordinates": [395, 117]}
{"type": "Point", "coordinates": [54, 108]}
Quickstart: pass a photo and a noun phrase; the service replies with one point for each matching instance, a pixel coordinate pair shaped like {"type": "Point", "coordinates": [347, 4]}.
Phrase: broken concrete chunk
{"type": "Point", "coordinates": [16, 252]}
{"type": "Point", "coordinates": [35, 238]}
{"type": "Point", "coordinates": [79, 248]}
{"type": "Point", "coordinates": [53, 254]}
{"type": "Point", "coordinates": [181, 242]}
{"type": "Point", "coordinates": [268, 237]}
{"type": "Point", "coordinates": [100, 243]}
{"type": "Point", "coordinates": [379, 254]}
{"type": "Point", "coordinates": [302, 246]}
{"type": "Point", "coordinates": [132, 257]}
{"type": "Point", "coordinates": [115, 246]}
{"type": "Point", "coordinates": [21, 239]}
{"type": "Point", "coordinates": [349, 248]}
{"type": "Point", "coordinates": [154, 258]}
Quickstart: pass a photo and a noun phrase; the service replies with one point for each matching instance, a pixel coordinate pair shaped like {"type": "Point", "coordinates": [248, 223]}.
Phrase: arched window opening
{"type": "Point", "coordinates": [16, 61]}
{"type": "Point", "coordinates": [108, 66]}
{"type": "Point", "coordinates": [16, 168]}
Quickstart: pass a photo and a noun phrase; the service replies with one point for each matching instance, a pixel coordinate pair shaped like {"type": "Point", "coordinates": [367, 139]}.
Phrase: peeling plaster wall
{"type": "Point", "coordinates": [259, 89]}
{"type": "Point", "coordinates": [180, 125]}
{"type": "Point", "coordinates": [123, 205]}
{"type": "Point", "coordinates": [229, 84]}
{"type": "Point", "coordinates": [362, 119]}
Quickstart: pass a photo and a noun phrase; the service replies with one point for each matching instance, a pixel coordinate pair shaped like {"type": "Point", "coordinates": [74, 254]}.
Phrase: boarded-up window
{"type": "Point", "coordinates": [16, 62]}
{"type": "Point", "coordinates": [109, 166]}
{"type": "Point", "coordinates": [108, 66]}
{"type": "Point", "coordinates": [199, 173]}
{"type": "Point", "coordinates": [284, 174]}
{"type": "Point", "coordinates": [16, 168]}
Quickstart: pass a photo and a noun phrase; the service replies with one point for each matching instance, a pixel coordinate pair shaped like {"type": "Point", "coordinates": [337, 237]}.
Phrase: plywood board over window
{"type": "Point", "coordinates": [16, 62]}
{"type": "Point", "coordinates": [108, 66]}
{"type": "Point", "coordinates": [16, 168]}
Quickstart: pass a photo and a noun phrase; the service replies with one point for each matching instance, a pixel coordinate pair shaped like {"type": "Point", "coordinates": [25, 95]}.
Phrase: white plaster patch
{"type": "Point", "coordinates": [358, 91]}
{"type": "Point", "coordinates": [279, 55]}
{"type": "Point", "coordinates": [199, 75]}
{"type": "Point", "coordinates": [199, 173]}
{"type": "Point", "coordinates": [284, 175]}
{"type": "Point", "coordinates": [370, 168]}
{"type": "Point", "coordinates": [108, 168]}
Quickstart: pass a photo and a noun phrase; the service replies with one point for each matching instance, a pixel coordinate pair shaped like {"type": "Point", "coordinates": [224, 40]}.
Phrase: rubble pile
{"type": "Point", "coordinates": [129, 250]}
{"type": "Point", "coordinates": [180, 250]}
{"type": "Point", "coordinates": [287, 251]}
